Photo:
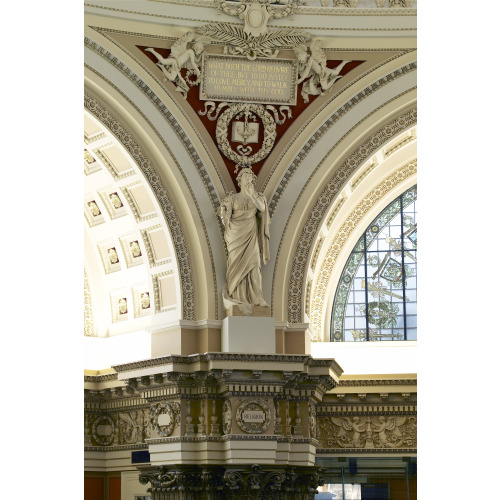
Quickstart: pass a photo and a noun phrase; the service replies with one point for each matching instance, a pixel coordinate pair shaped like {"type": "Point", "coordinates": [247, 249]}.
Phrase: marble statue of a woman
{"type": "Point", "coordinates": [246, 231]}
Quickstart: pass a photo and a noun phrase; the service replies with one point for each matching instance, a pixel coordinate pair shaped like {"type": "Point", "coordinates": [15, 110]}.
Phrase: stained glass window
{"type": "Point", "coordinates": [376, 298]}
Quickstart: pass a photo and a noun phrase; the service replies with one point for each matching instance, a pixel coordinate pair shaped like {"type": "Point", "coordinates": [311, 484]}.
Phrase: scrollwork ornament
{"type": "Point", "coordinates": [384, 431]}
{"type": "Point", "coordinates": [172, 410]}
{"type": "Point", "coordinates": [130, 427]}
{"type": "Point", "coordinates": [226, 417]}
{"type": "Point", "coordinates": [312, 419]}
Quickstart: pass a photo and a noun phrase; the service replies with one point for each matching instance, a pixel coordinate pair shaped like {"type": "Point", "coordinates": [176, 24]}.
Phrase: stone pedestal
{"type": "Point", "coordinates": [257, 311]}
{"type": "Point", "coordinates": [248, 334]}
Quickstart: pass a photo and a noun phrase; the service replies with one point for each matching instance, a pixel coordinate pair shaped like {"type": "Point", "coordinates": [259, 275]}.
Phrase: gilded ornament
{"type": "Point", "coordinates": [135, 249]}
{"type": "Point", "coordinates": [145, 300]}
{"type": "Point", "coordinates": [113, 256]}
{"type": "Point", "coordinates": [122, 305]}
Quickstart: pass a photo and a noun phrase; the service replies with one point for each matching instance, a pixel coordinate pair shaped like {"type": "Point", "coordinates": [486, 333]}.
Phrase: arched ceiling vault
{"type": "Point", "coordinates": [169, 158]}
{"type": "Point", "coordinates": [176, 202]}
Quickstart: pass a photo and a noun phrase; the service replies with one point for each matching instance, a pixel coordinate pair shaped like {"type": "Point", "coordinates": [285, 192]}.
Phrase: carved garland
{"type": "Point", "coordinates": [173, 412]}
{"type": "Point", "coordinates": [324, 201]}
{"type": "Point", "coordinates": [269, 133]}
{"type": "Point", "coordinates": [104, 439]}
{"type": "Point", "coordinates": [254, 405]}
{"type": "Point", "coordinates": [356, 215]}
{"type": "Point", "coordinates": [171, 217]}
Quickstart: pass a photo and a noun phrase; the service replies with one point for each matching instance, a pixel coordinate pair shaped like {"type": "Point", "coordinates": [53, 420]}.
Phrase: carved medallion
{"type": "Point", "coordinates": [103, 430]}
{"type": "Point", "coordinates": [165, 417]}
{"type": "Point", "coordinates": [253, 416]}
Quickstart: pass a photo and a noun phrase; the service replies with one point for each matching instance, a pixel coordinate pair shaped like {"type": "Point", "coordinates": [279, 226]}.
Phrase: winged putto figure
{"type": "Point", "coordinates": [313, 68]}
{"type": "Point", "coordinates": [350, 431]}
{"type": "Point", "coordinates": [181, 56]}
{"type": "Point", "coordinates": [389, 434]}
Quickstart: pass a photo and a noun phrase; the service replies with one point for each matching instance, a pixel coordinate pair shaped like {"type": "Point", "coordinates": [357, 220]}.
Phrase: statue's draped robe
{"type": "Point", "coordinates": [247, 240]}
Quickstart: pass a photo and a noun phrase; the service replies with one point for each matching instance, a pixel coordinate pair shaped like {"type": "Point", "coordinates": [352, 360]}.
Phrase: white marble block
{"type": "Point", "coordinates": [248, 334]}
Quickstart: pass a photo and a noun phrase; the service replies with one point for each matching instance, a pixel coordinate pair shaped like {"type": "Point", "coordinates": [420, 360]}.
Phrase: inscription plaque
{"type": "Point", "coordinates": [234, 78]}
{"type": "Point", "coordinates": [253, 416]}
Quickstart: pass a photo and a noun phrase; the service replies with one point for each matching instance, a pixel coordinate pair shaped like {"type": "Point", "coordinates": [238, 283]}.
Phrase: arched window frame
{"type": "Point", "coordinates": [382, 312]}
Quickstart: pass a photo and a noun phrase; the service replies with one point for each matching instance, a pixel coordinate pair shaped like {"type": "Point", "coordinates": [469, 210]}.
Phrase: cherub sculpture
{"type": "Point", "coordinates": [181, 56]}
{"type": "Point", "coordinates": [390, 424]}
{"type": "Point", "coordinates": [349, 434]}
{"type": "Point", "coordinates": [313, 66]}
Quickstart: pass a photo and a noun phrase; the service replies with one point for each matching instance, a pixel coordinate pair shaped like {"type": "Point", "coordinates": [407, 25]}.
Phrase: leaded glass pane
{"type": "Point", "coordinates": [378, 287]}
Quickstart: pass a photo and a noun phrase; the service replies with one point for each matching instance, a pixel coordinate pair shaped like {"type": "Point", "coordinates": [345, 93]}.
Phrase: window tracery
{"type": "Point", "coordinates": [376, 298]}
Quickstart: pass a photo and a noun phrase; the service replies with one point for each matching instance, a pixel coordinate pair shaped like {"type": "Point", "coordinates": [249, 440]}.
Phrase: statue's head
{"type": "Point", "coordinates": [246, 176]}
{"type": "Point", "coordinates": [198, 47]}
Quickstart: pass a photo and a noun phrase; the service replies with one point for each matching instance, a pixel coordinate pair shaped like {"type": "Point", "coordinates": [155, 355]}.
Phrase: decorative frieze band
{"type": "Point", "coordinates": [371, 432]}
{"type": "Point", "coordinates": [376, 382]}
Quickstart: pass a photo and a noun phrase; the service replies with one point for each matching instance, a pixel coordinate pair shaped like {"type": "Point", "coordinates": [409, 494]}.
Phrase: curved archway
{"type": "Point", "coordinates": [315, 208]}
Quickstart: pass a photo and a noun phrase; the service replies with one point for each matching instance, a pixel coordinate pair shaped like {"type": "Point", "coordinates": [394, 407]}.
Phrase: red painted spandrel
{"type": "Point", "coordinates": [210, 125]}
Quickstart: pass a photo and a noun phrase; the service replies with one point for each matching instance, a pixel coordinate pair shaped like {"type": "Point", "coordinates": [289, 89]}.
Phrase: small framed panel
{"type": "Point", "coordinates": [116, 161]}
{"type": "Point", "coordinates": [132, 249]}
{"type": "Point", "coordinates": [143, 301]}
{"type": "Point", "coordinates": [93, 210]}
{"type": "Point", "coordinates": [114, 201]}
{"type": "Point", "coordinates": [90, 164]}
{"type": "Point", "coordinates": [111, 260]}
{"type": "Point", "coordinates": [157, 246]}
{"type": "Point", "coordinates": [165, 291]}
{"type": "Point", "coordinates": [140, 201]}
{"type": "Point", "coordinates": [120, 305]}
{"type": "Point", "coordinates": [91, 130]}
